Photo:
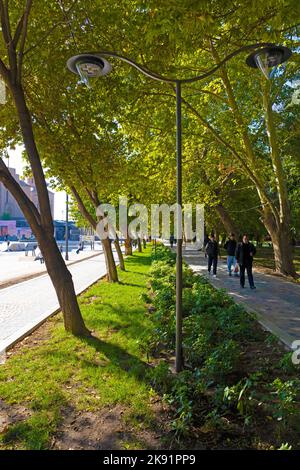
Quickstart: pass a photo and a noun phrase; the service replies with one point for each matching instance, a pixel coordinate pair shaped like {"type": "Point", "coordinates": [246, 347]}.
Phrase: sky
{"type": "Point", "coordinates": [15, 161]}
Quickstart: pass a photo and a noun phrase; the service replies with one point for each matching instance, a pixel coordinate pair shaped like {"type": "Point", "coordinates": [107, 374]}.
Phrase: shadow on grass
{"type": "Point", "coordinates": [130, 319]}
{"type": "Point", "coordinates": [131, 284]}
{"type": "Point", "coordinates": [119, 357]}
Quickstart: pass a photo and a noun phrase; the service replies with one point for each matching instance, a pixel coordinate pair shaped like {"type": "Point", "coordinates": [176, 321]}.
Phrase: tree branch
{"type": "Point", "coordinates": [82, 208]}
{"type": "Point", "coordinates": [18, 31]}
{"type": "Point", "coordinates": [6, 33]}
{"type": "Point", "coordinates": [23, 38]}
{"type": "Point", "coordinates": [26, 205]}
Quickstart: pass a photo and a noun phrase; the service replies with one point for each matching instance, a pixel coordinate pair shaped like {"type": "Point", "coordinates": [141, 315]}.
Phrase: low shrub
{"type": "Point", "coordinates": [215, 332]}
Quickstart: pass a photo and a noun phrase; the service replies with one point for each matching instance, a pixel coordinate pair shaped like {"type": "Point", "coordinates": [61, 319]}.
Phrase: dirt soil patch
{"type": "Point", "coordinates": [105, 429]}
{"type": "Point", "coordinates": [11, 414]}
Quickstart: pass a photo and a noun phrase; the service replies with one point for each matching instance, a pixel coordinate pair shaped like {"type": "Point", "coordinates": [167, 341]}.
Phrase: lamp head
{"type": "Point", "coordinates": [88, 66]}
{"type": "Point", "coordinates": [268, 57]}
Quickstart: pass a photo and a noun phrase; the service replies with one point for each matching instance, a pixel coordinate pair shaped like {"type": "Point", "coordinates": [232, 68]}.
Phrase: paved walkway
{"type": "Point", "coordinates": [16, 267]}
{"type": "Point", "coordinates": [27, 304]}
{"type": "Point", "coordinates": [276, 301]}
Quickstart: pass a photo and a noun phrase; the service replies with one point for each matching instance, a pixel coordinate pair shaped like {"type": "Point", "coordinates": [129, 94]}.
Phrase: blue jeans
{"type": "Point", "coordinates": [230, 261]}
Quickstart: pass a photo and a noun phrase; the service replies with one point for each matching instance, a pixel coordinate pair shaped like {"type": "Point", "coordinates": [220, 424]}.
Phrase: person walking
{"type": "Point", "coordinates": [39, 256]}
{"type": "Point", "coordinates": [80, 247]}
{"type": "Point", "coordinates": [212, 251]}
{"type": "Point", "coordinates": [245, 252]}
{"type": "Point", "coordinates": [171, 240]}
{"type": "Point", "coordinates": [230, 247]}
{"type": "Point", "coordinates": [203, 248]}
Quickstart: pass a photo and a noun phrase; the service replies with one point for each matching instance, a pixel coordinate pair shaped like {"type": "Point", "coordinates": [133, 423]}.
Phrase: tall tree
{"type": "Point", "coordinates": [11, 70]}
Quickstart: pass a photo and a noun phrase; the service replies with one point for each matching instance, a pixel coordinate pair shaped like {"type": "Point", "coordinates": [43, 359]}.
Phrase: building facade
{"type": "Point", "coordinates": [12, 220]}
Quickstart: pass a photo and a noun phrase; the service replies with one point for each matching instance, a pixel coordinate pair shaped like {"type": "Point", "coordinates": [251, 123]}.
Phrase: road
{"type": "Point", "coordinates": [27, 304]}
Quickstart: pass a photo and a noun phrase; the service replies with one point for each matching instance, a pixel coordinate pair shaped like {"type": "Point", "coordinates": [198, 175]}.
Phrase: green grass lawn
{"type": "Point", "coordinates": [88, 374]}
{"type": "Point", "coordinates": [264, 257]}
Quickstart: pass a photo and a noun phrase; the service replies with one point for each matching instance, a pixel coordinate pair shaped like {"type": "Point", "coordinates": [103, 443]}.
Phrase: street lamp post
{"type": "Point", "coordinates": [67, 228]}
{"type": "Point", "coordinates": [94, 65]}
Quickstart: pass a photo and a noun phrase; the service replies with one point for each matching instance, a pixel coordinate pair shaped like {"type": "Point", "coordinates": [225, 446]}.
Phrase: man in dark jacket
{"type": "Point", "coordinates": [171, 240]}
{"type": "Point", "coordinates": [212, 251]}
{"type": "Point", "coordinates": [244, 255]}
{"type": "Point", "coordinates": [230, 247]}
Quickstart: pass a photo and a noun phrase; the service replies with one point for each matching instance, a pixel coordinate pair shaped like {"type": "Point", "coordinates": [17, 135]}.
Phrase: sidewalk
{"type": "Point", "coordinates": [25, 305]}
{"type": "Point", "coordinates": [275, 301]}
{"type": "Point", "coordinates": [16, 267]}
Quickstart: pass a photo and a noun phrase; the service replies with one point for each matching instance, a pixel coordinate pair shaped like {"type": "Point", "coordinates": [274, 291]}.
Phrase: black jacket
{"type": "Point", "coordinates": [230, 247]}
{"type": "Point", "coordinates": [244, 252]}
{"type": "Point", "coordinates": [212, 248]}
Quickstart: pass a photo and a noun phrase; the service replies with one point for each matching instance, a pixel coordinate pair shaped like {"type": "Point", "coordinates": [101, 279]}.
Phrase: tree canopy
{"type": "Point", "coordinates": [240, 131]}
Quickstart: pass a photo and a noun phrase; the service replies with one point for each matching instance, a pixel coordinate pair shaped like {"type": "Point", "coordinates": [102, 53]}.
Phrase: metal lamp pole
{"type": "Point", "coordinates": [67, 228]}
{"type": "Point", "coordinates": [178, 348]}
{"type": "Point", "coordinates": [94, 65]}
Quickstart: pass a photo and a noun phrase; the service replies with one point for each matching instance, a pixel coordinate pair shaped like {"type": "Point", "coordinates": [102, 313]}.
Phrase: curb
{"type": "Point", "coordinates": [18, 280]}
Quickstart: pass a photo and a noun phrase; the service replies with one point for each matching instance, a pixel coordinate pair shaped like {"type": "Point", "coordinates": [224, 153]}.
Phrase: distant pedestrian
{"type": "Point", "coordinates": [230, 247]}
{"type": "Point", "coordinates": [205, 242]}
{"type": "Point", "coordinates": [212, 251]}
{"type": "Point", "coordinates": [7, 240]}
{"type": "Point", "coordinates": [39, 256]}
{"type": "Point", "coordinates": [80, 248]}
{"type": "Point", "coordinates": [245, 252]}
{"type": "Point", "coordinates": [171, 240]}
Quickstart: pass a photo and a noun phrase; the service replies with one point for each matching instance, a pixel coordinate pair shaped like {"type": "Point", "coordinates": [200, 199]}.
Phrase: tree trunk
{"type": "Point", "coordinates": [63, 285]}
{"type": "Point", "coordinates": [112, 273]}
{"type": "Point", "coordinates": [128, 246]}
{"type": "Point", "coordinates": [120, 254]}
{"type": "Point", "coordinates": [58, 272]}
{"type": "Point", "coordinates": [226, 220]}
{"type": "Point", "coordinates": [139, 245]}
{"type": "Point", "coordinates": [258, 240]}
{"type": "Point", "coordinates": [217, 234]}
{"type": "Point", "coordinates": [282, 246]}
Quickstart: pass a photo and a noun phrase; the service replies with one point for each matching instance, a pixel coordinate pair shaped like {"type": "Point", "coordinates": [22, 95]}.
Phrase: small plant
{"type": "Point", "coordinates": [271, 340]}
{"type": "Point", "coordinates": [285, 446]}
{"type": "Point", "coordinates": [181, 424]}
{"type": "Point", "coordinates": [286, 364]}
{"type": "Point", "coordinates": [286, 404]}
{"type": "Point", "coordinates": [160, 377]}
{"type": "Point", "coordinates": [222, 361]}
{"type": "Point", "coordinates": [242, 395]}
{"type": "Point", "coordinates": [180, 397]}
{"type": "Point", "coordinates": [145, 298]}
